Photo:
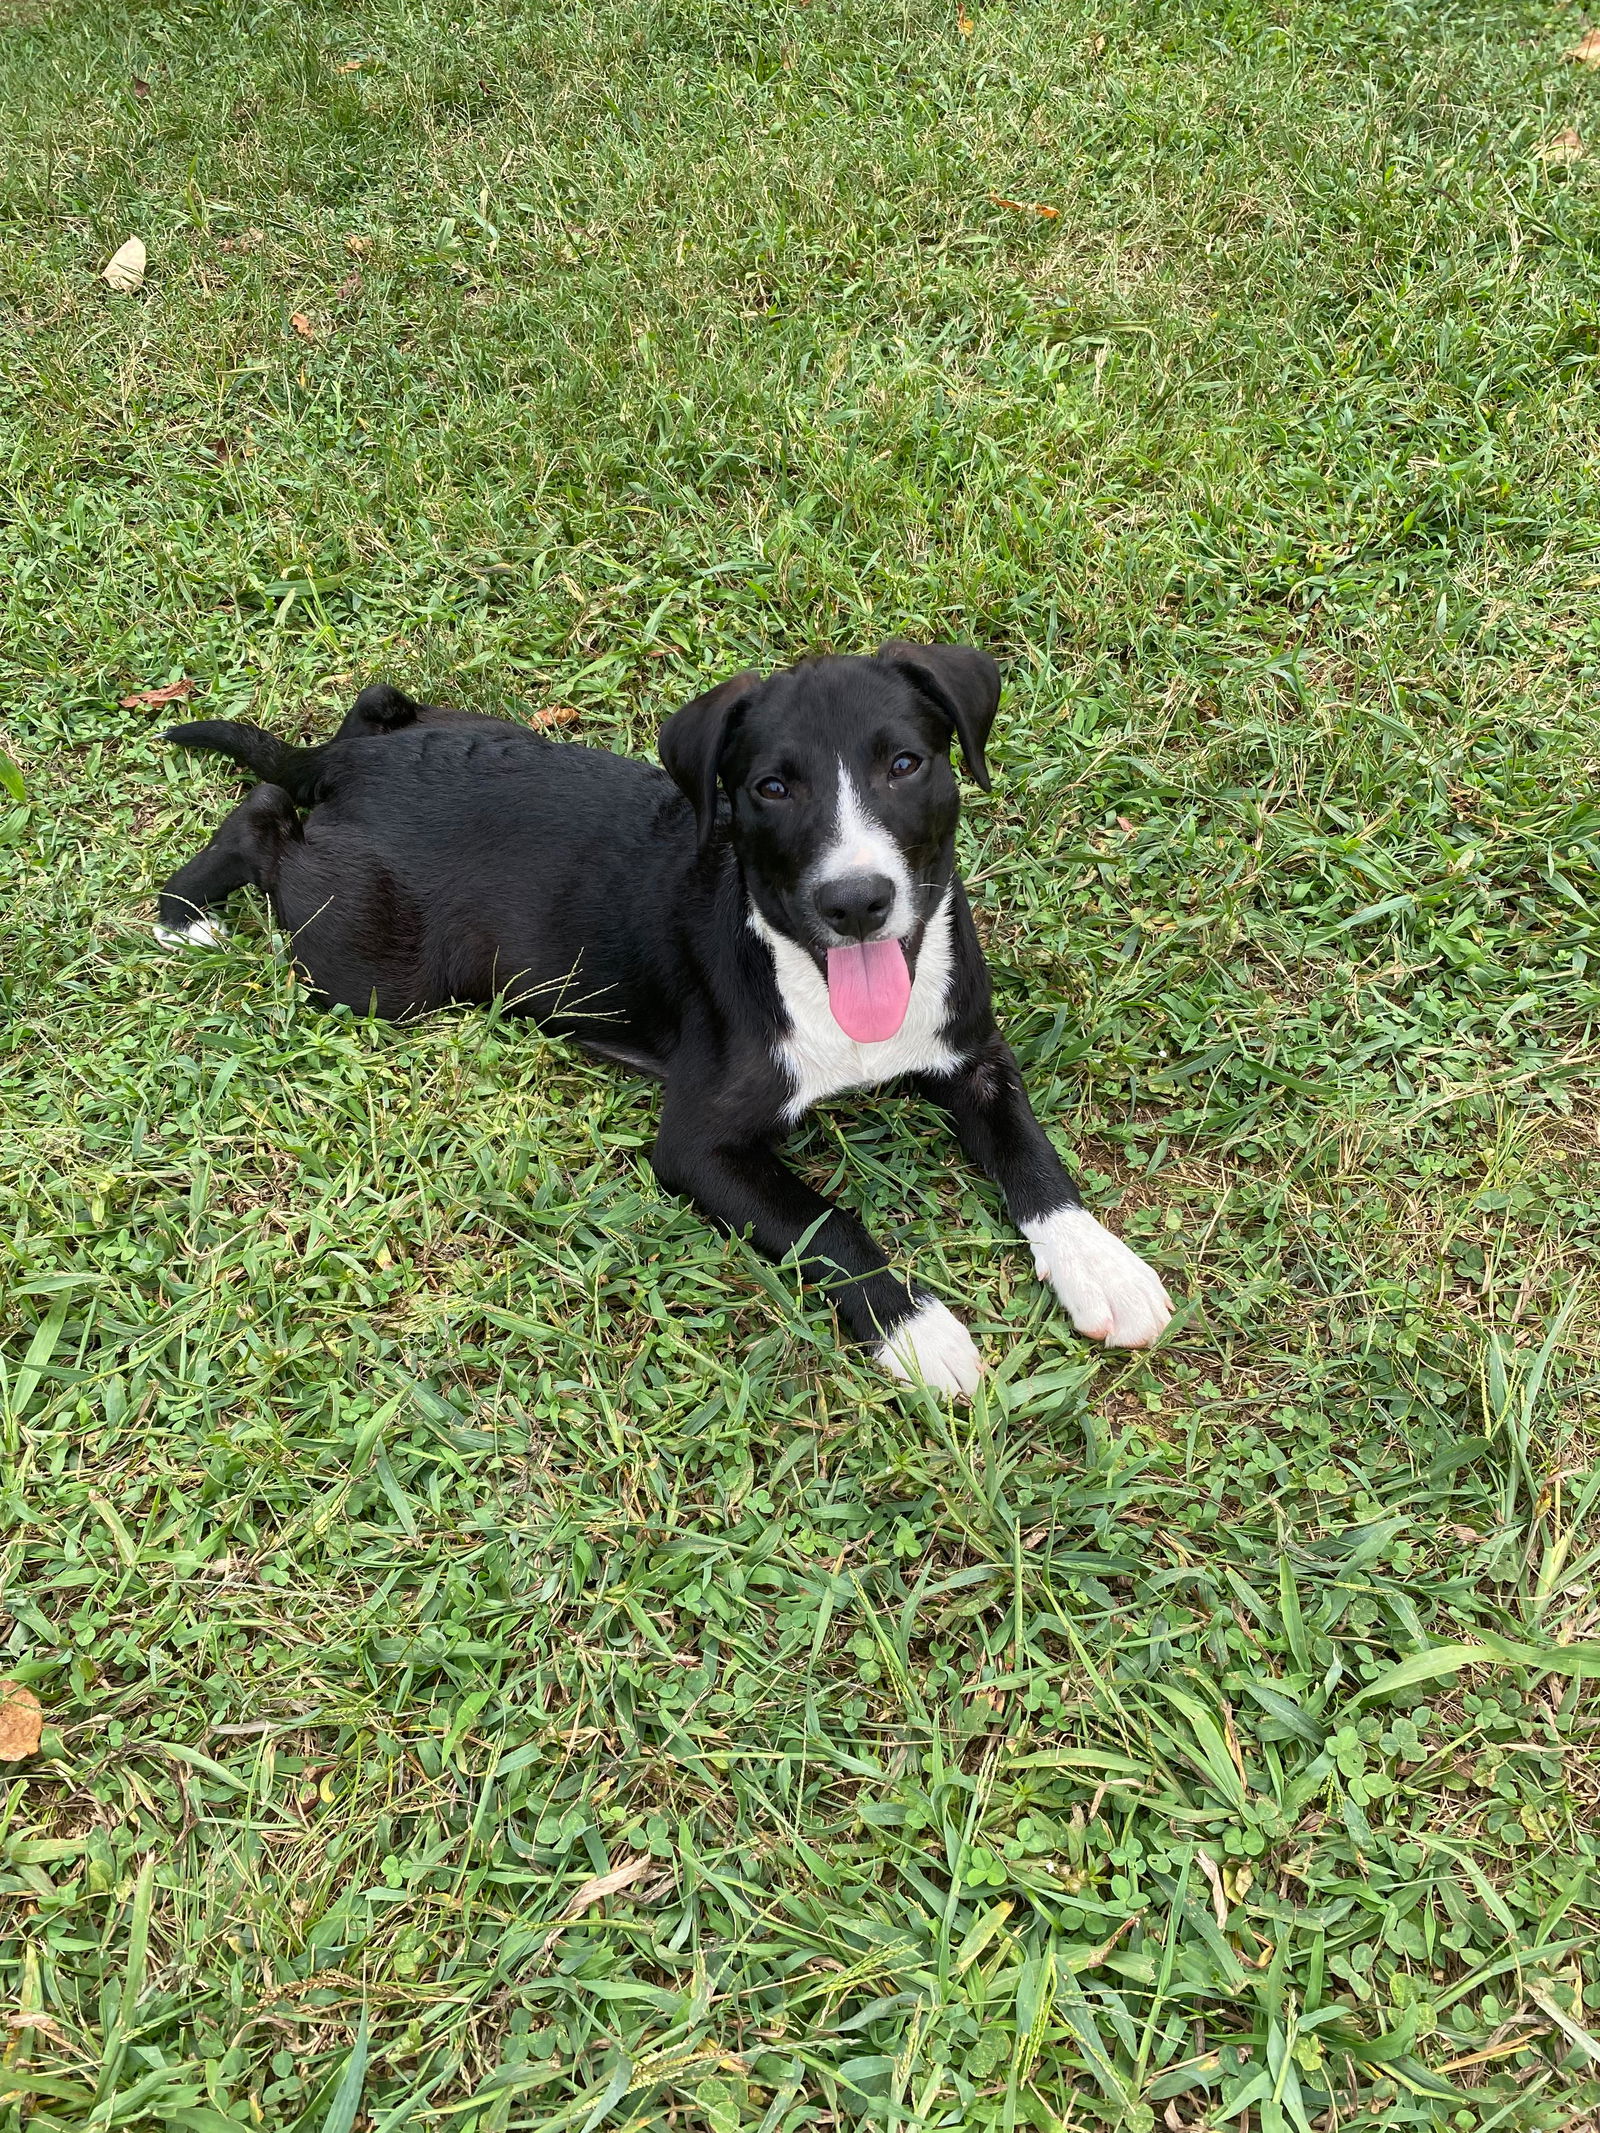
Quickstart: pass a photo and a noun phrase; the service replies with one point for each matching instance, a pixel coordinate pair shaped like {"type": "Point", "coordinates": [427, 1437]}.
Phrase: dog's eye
{"type": "Point", "coordinates": [771, 789]}
{"type": "Point", "coordinates": [904, 765]}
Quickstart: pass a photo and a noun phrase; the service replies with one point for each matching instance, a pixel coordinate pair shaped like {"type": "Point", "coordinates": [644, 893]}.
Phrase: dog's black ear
{"type": "Point", "coordinates": [958, 680]}
{"type": "Point", "coordinates": [692, 742]}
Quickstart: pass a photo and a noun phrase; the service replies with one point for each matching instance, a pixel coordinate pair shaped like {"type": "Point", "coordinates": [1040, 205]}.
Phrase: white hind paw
{"type": "Point", "coordinates": [199, 933]}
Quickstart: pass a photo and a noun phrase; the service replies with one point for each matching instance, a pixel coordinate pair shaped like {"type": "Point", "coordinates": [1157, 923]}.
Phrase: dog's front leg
{"type": "Point", "coordinates": [1107, 1291]}
{"type": "Point", "coordinates": [744, 1188]}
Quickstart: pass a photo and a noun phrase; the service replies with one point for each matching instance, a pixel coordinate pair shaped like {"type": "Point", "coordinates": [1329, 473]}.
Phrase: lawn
{"type": "Point", "coordinates": [413, 1516]}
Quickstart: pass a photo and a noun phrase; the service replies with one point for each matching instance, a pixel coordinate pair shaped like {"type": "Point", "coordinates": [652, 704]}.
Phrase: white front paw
{"type": "Point", "coordinates": [933, 1348]}
{"type": "Point", "coordinates": [199, 933]}
{"type": "Point", "coordinates": [1108, 1292]}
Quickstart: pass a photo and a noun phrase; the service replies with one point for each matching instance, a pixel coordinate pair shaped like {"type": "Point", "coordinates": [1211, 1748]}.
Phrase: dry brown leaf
{"type": "Point", "coordinates": [557, 715]}
{"type": "Point", "coordinates": [355, 246]}
{"type": "Point", "coordinates": [348, 288]}
{"type": "Point", "coordinates": [612, 1884]}
{"type": "Point", "coordinates": [1025, 207]}
{"type": "Point", "coordinates": [347, 66]}
{"type": "Point", "coordinates": [29, 2019]}
{"type": "Point", "coordinates": [125, 268]}
{"type": "Point", "coordinates": [302, 325]}
{"type": "Point", "coordinates": [596, 1891]}
{"type": "Point", "coordinates": [141, 89]}
{"type": "Point", "coordinates": [152, 699]}
{"type": "Point", "coordinates": [1219, 1901]}
{"type": "Point", "coordinates": [1586, 51]}
{"type": "Point", "coordinates": [21, 1722]}
{"type": "Point", "coordinates": [1563, 148]}
{"type": "Point", "coordinates": [1503, 2050]}
{"type": "Point", "coordinates": [1096, 1956]}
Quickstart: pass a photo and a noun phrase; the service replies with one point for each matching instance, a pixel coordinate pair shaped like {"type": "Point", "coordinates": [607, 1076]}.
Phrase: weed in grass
{"type": "Point", "coordinates": [414, 1519]}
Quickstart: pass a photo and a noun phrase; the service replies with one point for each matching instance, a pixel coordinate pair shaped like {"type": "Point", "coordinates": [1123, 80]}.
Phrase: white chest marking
{"type": "Point", "coordinates": [815, 1052]}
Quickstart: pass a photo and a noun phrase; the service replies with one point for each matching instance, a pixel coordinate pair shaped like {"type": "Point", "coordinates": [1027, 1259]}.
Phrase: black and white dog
{"type": "Point", "coordinates": [776, 919]}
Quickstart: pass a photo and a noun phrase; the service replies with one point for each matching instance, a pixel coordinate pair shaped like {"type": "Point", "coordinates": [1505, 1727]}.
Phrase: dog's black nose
{"type": "Point", "coordinates": [856, 904]}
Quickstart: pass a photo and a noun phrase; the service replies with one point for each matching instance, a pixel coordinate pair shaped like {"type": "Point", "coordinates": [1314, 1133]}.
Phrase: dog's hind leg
{"type": "Point", "coordinates": [380, 708]}
{"type": "Point", "coordinates": [244, 853]}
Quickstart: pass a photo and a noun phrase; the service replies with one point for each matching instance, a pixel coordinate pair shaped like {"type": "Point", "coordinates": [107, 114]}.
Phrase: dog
{"type": "Point", "coordinates": [770, 919]}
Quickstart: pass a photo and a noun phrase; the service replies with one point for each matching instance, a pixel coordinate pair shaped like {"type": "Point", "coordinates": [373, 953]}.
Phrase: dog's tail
{"type": "Point", "coordinates": [275, 761]}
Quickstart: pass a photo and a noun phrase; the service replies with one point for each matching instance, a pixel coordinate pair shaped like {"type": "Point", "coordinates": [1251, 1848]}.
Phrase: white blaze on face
{"type": "Point", "coordinates": [862, 845]}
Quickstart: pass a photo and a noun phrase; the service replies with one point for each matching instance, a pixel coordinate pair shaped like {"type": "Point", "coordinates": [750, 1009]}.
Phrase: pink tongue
{"type": "Point", "coordinates": [869, 989]}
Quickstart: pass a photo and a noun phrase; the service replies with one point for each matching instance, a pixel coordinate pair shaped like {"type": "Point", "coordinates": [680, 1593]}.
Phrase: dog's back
{"type": "Point", "coordinates": [302, 773]}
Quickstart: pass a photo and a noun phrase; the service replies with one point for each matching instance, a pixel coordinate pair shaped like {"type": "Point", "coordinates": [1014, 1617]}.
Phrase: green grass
{"type": "Point", "coordinates": [411, 1513]}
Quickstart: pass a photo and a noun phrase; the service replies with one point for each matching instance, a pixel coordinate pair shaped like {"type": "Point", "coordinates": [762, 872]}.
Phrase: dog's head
{"type": "Point", "coordinates": [844, 803]}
